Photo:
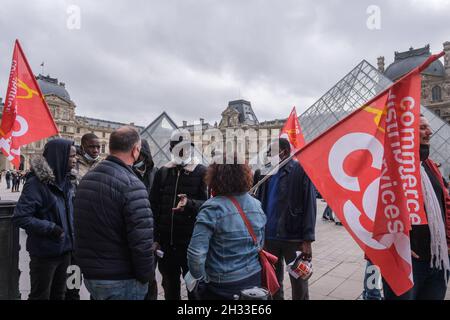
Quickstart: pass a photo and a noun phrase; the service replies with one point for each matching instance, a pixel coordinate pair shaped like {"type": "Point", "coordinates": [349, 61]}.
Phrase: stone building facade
{"type": "Point", "coordinates": [435, 79]}
{"type": "Point", "coordinates": [237, 115]}
{"type": "Point", "coordinates": [70, 126]}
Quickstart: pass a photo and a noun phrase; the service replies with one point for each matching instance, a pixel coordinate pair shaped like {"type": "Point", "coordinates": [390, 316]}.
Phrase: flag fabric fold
{"type": "Point", "coordinates": [26, 117]}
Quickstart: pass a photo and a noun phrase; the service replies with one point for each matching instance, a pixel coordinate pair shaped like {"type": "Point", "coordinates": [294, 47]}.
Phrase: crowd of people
{"type": "Point", "coordinates": [120, 218]}
{"type": "Point", "coordinates": [13, 178]}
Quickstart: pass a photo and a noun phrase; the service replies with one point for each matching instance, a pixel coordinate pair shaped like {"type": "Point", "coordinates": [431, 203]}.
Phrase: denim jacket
{"type": "Point", "coordinates": [221, 249]}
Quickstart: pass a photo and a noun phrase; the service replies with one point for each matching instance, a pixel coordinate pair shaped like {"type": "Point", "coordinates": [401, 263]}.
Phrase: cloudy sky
{"type": "Point", "coordinates": [130, 60]}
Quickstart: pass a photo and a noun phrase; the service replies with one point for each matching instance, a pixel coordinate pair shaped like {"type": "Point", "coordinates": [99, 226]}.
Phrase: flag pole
{"type": "Point", "coordinates": [271, 172]}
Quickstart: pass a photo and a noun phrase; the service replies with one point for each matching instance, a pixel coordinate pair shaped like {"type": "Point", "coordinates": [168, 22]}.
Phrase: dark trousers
{"type": "Point", "coordinates": [228, 291]}
{"type": "Point", "coordinates": [8, 183]}
{"type": "Point", "coordinates": [172, 266]}
{"type": "Point", "coordinates": [48, 277]}
{"type": "Point", "coordinates": [328, 213]}
{"type": "Point", "coordinates": [429, 284]}
{"type": "Point", "coordinates": [286, 253]}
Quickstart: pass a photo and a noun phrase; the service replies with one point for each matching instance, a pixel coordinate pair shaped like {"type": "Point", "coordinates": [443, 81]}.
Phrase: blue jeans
{"type": "Point", "coordinates": [372, 290]}
{"type": "Point", "coordinates": [116, 289]}
{"type": "Point", "coordinates": [429, 284]}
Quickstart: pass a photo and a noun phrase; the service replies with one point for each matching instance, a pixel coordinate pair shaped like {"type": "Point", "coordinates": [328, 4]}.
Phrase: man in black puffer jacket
{"type": "Point", "coordinates": [179, 184]}
{"type": "Point", "coordinates": [114, 224]}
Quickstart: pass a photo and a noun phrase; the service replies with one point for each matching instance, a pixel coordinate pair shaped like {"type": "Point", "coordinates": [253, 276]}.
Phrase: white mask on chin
{"type": "Point", "coordinates": [89, 158]}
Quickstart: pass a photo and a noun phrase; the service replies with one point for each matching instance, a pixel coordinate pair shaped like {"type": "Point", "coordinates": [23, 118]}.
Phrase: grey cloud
{"type": "Point", "coordinates": [133, 59]}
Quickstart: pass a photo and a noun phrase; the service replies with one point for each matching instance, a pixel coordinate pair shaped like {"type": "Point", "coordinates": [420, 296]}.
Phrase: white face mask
{"type": "Point", "coordinates": [89, 158]}
{"type": "Point", "coordinates": [181, 162]}
{"type": "Point", "coordinates": [139, 165]}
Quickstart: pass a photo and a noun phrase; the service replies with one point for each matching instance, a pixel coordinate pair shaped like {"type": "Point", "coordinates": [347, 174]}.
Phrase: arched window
{"type": "Point", "coordinates": [436, 93]}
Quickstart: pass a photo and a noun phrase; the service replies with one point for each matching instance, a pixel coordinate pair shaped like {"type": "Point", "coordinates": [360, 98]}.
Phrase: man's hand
{"type": "Point", "coordinates": [155, 246]}
{"type": "Point", "coordinates": [181, 204]}
{"type": "Point", "coordinates": [306, 250]}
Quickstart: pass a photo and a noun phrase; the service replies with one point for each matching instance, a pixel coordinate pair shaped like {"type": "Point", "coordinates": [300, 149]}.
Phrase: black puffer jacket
{"type": "Point", "coordinates": [176, 228]}
{"type": "Point", "coordinates": [113, 224]}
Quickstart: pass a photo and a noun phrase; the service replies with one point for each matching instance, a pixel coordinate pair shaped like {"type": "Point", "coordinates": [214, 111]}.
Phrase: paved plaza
{"type": "Point", "coordinates": [338, 262]}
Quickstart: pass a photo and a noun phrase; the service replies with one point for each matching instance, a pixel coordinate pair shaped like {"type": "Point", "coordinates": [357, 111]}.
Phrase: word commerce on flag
{"type": "Point", "coordinates": [367, 168]}
{"type": "Point", "coordinates": [26, 117]}
{"type": "Point", "coordinates": [293, 133]}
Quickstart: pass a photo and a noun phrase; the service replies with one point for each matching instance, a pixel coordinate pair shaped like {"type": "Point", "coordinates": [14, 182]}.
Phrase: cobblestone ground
{"type": "Point", "coordinates": [338, 262]}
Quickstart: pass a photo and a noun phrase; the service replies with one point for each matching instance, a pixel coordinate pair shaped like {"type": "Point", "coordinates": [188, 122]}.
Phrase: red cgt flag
{"type": "Point", "coordinates": [292, 131]}
{"type": "Point", "coordinates": [26, 117]}
{"type": "Point", "coordinates": [367, 168]}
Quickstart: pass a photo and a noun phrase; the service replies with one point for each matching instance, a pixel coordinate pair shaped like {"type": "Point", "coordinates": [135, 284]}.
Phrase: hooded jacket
{"type": "Point", "coordinates": [148, 176]}
{"type": "Point", "coordinates": [47, 202]}
{"type": "Point", "coordinates": [113, 224]}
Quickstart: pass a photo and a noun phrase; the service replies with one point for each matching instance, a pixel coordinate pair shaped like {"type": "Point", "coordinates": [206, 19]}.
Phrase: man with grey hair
{"type": "Point", "coordinates": [114, 224]}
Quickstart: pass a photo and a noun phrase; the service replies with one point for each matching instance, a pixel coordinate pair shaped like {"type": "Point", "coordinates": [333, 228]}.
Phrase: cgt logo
{"type": "Point", "coordinates": [341, 149]}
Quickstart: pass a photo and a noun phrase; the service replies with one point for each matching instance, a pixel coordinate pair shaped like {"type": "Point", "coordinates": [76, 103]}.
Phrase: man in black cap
{"type": "Point", "coordinates": [177, 193]}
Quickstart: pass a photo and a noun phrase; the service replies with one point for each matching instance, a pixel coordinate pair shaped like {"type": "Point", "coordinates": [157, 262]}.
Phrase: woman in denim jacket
{"type": "Point", "coordinates": [222, 253]}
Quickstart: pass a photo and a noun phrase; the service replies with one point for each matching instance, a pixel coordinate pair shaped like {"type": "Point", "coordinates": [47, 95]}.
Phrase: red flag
{"type": "Point", "coordinates": [367, 168]}
{"type": "Point", "coordinates": [26, 117]}
{"type": "Point", "coordinates": [292, 131]}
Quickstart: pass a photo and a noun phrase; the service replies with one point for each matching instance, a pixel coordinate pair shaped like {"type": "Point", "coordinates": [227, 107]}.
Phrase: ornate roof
{"type": "Point", "coordinates": [404, 62]}
{"type": "Point", "coordinates": [50, 85]}
{"type": "Point", "coordinates": [243, 108]}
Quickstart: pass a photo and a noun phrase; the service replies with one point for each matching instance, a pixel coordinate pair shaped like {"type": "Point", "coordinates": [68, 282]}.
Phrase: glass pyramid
{"type": "Point", "coordinates": [359, 86]}
{"type": "Point", "coordinates": [158, 135]}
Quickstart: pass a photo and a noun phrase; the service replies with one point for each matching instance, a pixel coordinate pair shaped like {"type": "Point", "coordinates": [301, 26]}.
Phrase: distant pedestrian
{"type": "Point", "coordinates": [8, 179]}
{"type": "Point", "coordinates": [16, 181]}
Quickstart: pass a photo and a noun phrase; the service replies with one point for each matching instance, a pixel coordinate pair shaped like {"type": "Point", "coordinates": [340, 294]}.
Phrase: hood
{"type": "Point", "coordinates": [41, 169]}
{"type": "Point", "coordinates": [56, 153]}
{"type": "Point", "coordinates": [145, 149]}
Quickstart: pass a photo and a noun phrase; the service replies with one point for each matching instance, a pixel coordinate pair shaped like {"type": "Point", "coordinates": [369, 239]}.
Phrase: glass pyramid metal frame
{"type": "Point", "coordinates": [359, 86]}
{"type": "Point", "coordinates": [158, 135]}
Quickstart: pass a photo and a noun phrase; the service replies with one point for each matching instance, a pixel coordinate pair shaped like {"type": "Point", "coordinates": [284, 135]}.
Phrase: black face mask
{"type": "Point", "coordinates": [424, 151]}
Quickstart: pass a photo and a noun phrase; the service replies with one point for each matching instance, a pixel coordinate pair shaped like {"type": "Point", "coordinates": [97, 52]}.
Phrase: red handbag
{"type": "Point", "coordinates": [267, 260]}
